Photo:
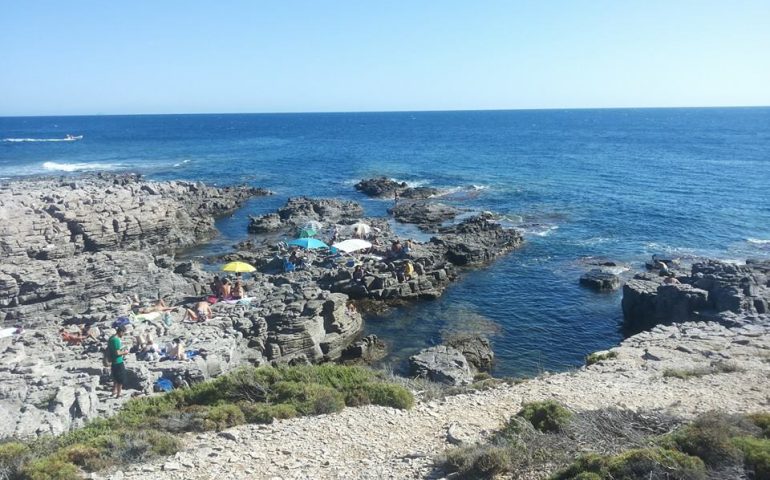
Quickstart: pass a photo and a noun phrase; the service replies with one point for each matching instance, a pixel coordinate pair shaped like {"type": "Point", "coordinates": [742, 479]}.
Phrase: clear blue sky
{"type": "Point", "coordinates": [175, 56]}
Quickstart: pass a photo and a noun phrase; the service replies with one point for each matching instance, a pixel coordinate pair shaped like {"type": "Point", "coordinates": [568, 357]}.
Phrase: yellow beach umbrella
{"type": "Point", "coordinates": [238, 267]}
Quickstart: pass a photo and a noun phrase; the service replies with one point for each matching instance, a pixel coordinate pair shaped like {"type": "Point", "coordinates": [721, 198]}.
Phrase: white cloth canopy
{"type": "Point", "coordinates": [352, 245]}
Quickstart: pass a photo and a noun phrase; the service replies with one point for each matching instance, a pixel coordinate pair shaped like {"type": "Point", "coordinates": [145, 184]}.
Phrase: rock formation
{"type": "Point", "coordinates": [384, 187]}
{"type": "Point", "coordinates": [65, 242]}
{"type": "Point", "coordinates": [712, 291]}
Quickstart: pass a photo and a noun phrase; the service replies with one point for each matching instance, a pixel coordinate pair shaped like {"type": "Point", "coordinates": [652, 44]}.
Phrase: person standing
{"type": "Point", "coordinates": [116, 350]}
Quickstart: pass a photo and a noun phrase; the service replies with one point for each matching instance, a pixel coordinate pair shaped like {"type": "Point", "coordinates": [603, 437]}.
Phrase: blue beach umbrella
{"type": "Point", "coordinates": [307, 233]}
{"type": "Point", "coordinates": [309, 243]}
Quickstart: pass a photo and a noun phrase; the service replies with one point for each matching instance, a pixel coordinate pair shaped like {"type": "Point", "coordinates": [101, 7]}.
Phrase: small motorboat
{"type": "Point", "coordinates": [72, 138]}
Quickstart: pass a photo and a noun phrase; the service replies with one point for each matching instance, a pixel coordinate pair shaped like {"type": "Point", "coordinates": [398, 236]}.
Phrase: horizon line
{"type": "Point", "coordinates": [340, 112]}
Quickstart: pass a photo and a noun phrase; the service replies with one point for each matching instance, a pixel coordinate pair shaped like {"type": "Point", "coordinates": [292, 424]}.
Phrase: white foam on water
{"type": "Point", "coordinates": [758, 241]}
{"type": "Point", "coordinates": [79, 167]}
{"type": "Point", "coordinates": [25, 140]}
{"type": "Point", "coordinates": [181, 163]}
{"type": "Point", "coordinates": [538, 230]}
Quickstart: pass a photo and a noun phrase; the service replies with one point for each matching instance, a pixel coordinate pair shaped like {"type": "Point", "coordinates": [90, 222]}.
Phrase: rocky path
{"type": "Point", "coordinates": [376, 442]}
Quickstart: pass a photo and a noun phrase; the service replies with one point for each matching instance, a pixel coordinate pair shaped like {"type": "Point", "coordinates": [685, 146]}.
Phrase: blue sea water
{"type": "Point", "coordinates": [618, 184]}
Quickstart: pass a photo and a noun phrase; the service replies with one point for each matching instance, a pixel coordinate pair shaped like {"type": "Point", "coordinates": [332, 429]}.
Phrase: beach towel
{"type": "Point", "coordinates": [7, 332]}
{"type": "Point", "coordinates": [147, 317]}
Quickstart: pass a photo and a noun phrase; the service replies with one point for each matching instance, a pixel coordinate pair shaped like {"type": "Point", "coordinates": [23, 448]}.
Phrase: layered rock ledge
{"type": "Point", "coordinates": [712, 290]}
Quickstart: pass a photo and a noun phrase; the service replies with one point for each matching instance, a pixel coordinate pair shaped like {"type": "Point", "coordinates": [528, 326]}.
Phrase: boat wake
{"type": "Point", "coordinates": [68, 138]}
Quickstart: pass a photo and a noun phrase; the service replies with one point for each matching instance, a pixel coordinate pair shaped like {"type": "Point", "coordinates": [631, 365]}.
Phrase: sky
{"type": "Point", "coordinates": [185, 56]}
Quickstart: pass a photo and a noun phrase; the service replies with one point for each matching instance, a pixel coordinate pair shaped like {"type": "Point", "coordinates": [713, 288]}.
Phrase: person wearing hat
{"type": "Point", "coordinates": [116, 352]}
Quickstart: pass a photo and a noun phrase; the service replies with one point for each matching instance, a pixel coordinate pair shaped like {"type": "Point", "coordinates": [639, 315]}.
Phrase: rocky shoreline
{"type": "Point", "coordinates": [74, 249]}
{"type": "Point", "coordinates": [77, 248]}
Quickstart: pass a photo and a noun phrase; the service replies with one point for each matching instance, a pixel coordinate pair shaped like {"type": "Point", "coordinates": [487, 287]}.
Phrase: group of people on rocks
{"type": "Point", "coordinates": [224, 289]}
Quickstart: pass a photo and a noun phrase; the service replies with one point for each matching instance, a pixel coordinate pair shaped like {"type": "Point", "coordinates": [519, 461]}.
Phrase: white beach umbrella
{"type": "Point", "coordinates": [352, 245]}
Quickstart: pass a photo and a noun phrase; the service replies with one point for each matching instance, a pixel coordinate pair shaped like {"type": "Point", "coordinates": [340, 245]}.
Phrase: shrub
{"type": "Point", "coordinates": [84, 456]}
{"type": "Point", "coordinates": [261, 413]}
{"type": "Point", "coordinates": [545, 416]}
{"type": "Point", "coordinates": [762, 420]}
{"type": "Point", "coordinates": [756, 453]}
{"type": "Point", "coordinates": [590, 464]}
{"type": "Point", "coordinates": [225, 416]}
{"type": "Point", "coordinates": [389, 395]}
{"type": "Point", "coordinates": [50, 469]}
{"type": "Point", "coordinates": [709, 437]}
{"type": "Point", "coordinates": [309, 398]}
{"type": "Point", "coordinates": [12, 457]}
{"type": "Point", "coordinates": [655, 463]}
{"type": "Point", "coordinates": [600, 356]}
{"type": "Point", "coordinates": [684, 374]}
{"type": "Point", "coordinates": [715, 367]}
{"type": "Point", "coordinates": [479, 461]}
{"type": "Point", "coordinates": [636, 464]}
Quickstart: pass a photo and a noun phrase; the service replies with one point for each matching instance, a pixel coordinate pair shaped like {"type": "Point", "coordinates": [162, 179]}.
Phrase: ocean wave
{"type": "Point", "coordinates": [181, 163]}
{"type": "Point", "coordinates": [25, 140]}
{"type": "Point", "coordinates": [758, 241]}
{"type": "Point", "coordinates": [79, 167]}
{"type": "Point", "coordinates": [537, 229]}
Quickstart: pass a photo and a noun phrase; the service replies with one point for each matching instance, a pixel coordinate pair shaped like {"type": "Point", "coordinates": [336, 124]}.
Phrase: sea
{"type": "Point", "coordinates": [583, 186]}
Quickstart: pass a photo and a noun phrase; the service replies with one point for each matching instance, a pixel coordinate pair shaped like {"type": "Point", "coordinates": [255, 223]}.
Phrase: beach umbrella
{"type": "Point", "coordinates": [309, 243]}
{"type": "Point", "coordinates": [238, 267]}
{"type": "Point", "coordinates": [313, 225]}
{"type": "Point", "coordinates": [352, 245]}
{"type": "Point", "coordinates": [306, 232]}
{"type": "Point", "coordinates": [361, 229]}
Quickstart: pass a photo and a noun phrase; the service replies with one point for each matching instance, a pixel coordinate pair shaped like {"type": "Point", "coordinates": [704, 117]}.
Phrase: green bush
{"type": "Point", "coordinates": [655, 463]}
{"type": "Point", "coordinates": [636, 464]}
{"type": "Point", "coordinates": [86, 456]}
{"type": "Point", "coordinates": [709, 437]}
{"type": "Point", "coordinates": [50, 469]}
{"type": "Point", "coordinates": [262, 413]}
{"type": "Point", "coordinates": [309, 398]}
{"type": "Point", "coordinates": [545, 416]}
{"type": "Point", "coordinates": [389, 395]}
{"type": "Point", "coordinates": [756, 453]}
{"type": "Point", "coordinates": [12, 457]}
{"type": "Point", "coordinates": [600, 356]}
{"type": "Point", "coordinates": [145, 427]}
{"type": "Point", "coordinates": [762, 420]}
{"type": "Point", "coordinates": [589, 464]}
{"type": "Point", "coordinates": [225, 416]}
{"type": "Point", "coordinates": [479, 461]}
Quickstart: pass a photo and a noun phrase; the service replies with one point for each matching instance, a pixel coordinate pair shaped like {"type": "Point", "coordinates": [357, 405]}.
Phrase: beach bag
{"type": "Point", "coordinates": [163, 385]}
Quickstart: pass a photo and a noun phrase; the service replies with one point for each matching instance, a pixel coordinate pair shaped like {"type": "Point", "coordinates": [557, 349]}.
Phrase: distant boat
{"type": "Point", "coordinates": [72, 138]}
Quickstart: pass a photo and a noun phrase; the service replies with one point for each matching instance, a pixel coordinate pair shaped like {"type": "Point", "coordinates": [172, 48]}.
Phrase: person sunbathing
{"type": "Point", "coordinates": [200, 313]}
{"type": "Point", "coordinates": [84, 333]}
{"type": "Point", "coordinates": [158, 306]}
